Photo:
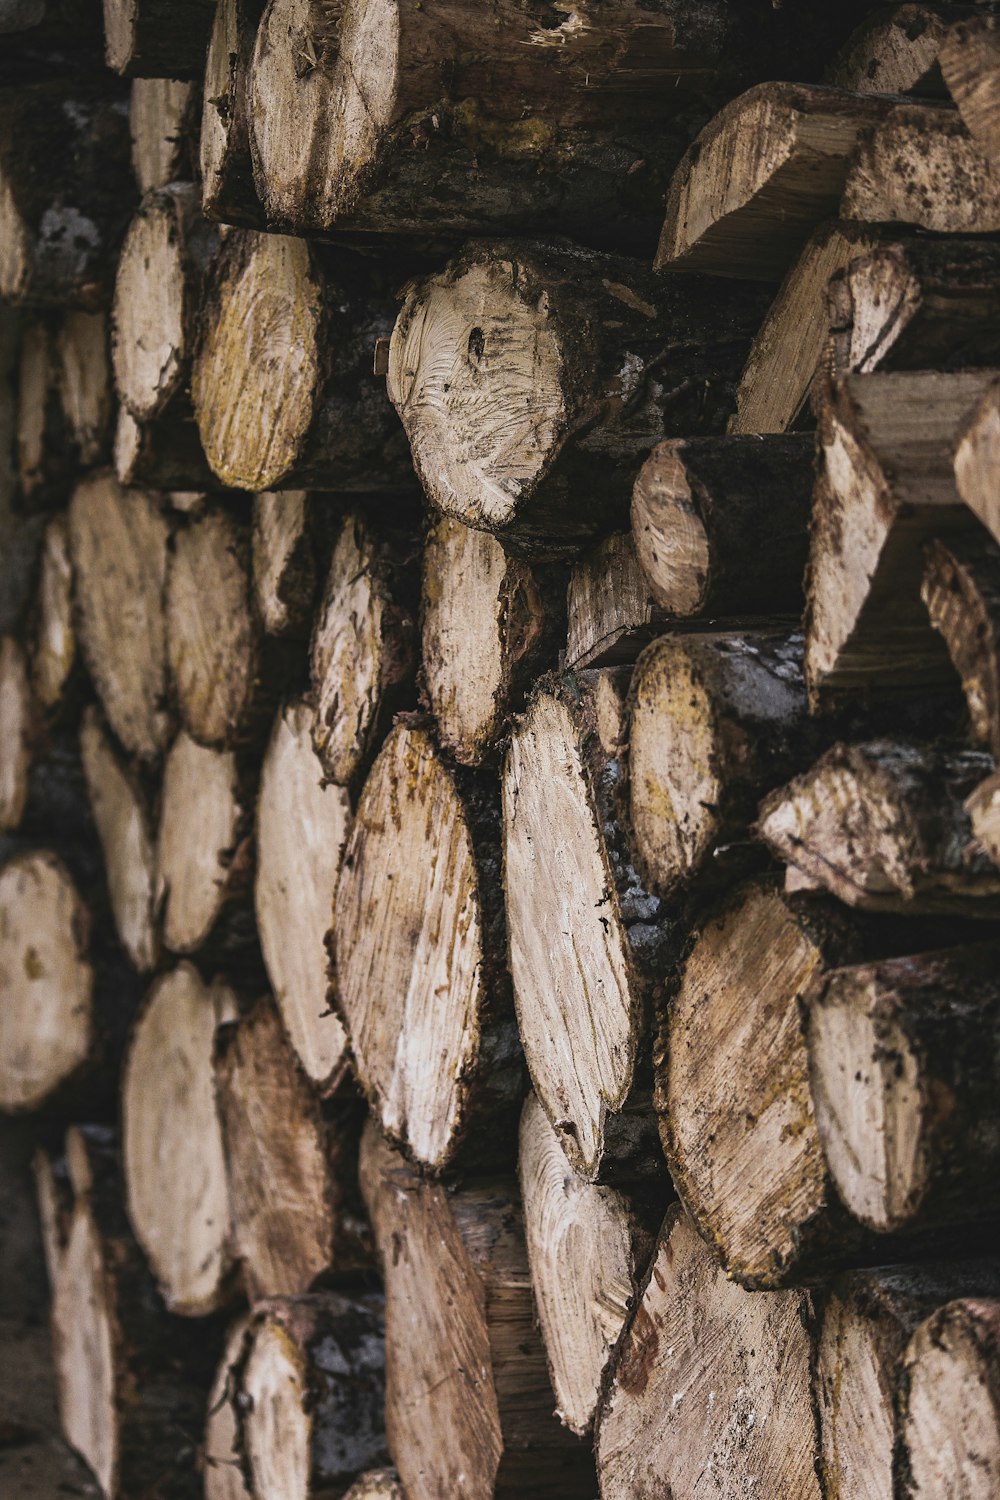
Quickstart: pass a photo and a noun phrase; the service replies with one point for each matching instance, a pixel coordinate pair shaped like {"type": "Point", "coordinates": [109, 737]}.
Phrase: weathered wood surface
{"type": "Point", "coordinates": [950, 1441]}
{"type": "Point", "coordinates": [970, 63]}
{"type": "Point", "coordinates": [919, 165]}
{"type": "Point", "coordinates": [157, 38]}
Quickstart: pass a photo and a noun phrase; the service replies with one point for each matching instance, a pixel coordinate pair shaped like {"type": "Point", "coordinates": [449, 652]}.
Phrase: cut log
{"type": "Point", "coordinates": [44, 455]}
{"type": "Point", "coordinates": [587, 1248]}
{"type": "Point", "coordinates": [721, 525]}
{"type": "Point", "coordinates": [131, 1382]}
{"type": "Point", "coordinates": [17, 725]}
{"type": "Point", "coordinates": [894, 51]}
{"type": "Point", "coordinates": [65, 193]}
{"type": "Point", "coordinates": [118, 546]}
{"type": "Point", "coordinates": [715, 719]}
{"type": "Point", "coordinates": [458, 1301]}
{"type": "Point", "coordinates": [530, 379]}
{"type": "Point", "coordinates": [950, 1441]}
{"type": "Point", "coordinates": [362, 657]}
{"type": "Point", "coordinates": [710, 1394]}
{"type": "Point", "coordinates": [377, 1484]}
{"type": "Point", "coordinates": [760, 178]}
{"type": "Point", "coordinates": [302, 828]}
{"type": "Point", "coordinates": [180, 1215]}
{"type": "Point", "coordinates": [148, 456]}
{"type": "Point", "coordinates": [882, 827]}
{"type": "Point", "coordinates": [227, 191]}
{"type": "Point", "coordinates": [867, 1322]}
{"type": "Point", "coordinates": [773, 393]}
{"type": "Point", "coordinates": [983, 807]}
{"type": "Point", "coordinates": [221, 1458]}
{"type": "Point", "coordinates": [296, 406]}
{"type": "Point", "coordinates": [886, 486]}
{"type": "Point", "coordinates": [970, 63]}
{"type": "Point", "coordinates": [122, 816]}
{"type": "Point", "coordinates": [292, 1169]}
{"type": "Point", "coordinates": [611, 609]}
{"type": "Point", "coordinates": [961, 590]}
{"type": "Point", "coordinates": [309, 1395]}
{"type": "Point", "coordinates": [285, 572]}
{"type": "Point", "coordinates": [977, 454]}
{"type": "Point", "coordinates": [204, 861]}
{"type": "Point", "coordinates": [489, 623]}
{"type": "Point", "coordinates": [904, 1061]}
{"type": "Point", "coordinates": [917, 304]}
{"type": "Point", "coordinates": [588, 944]}
{"type": "Point", "coordinates": [157, 38]}
{"type": "Point", "coordinates": [43, 797]}
{"type": "Point", "coordinates": [421, 978]}
{"type": "Point", "coordinates": [84, 369]}
{"type": "Point", "coordinates": [162, 120]}
{"type": "Point", "coordinates": [919, 165]}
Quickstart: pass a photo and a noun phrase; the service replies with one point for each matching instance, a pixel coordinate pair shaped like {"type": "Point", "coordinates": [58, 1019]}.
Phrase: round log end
{"type": "Point", "coordinates": [200, 815]}
{"type": "Point", "coordinates": [86, 1350]}
{"type": "Point", "coordinates": [670, 536]}
{"type": "Point", "coordinates": [951, 1425]}
{"type": "Point", "coordinates": [16, 715]}
{"type": "Point", "coordinates": [150, 316]}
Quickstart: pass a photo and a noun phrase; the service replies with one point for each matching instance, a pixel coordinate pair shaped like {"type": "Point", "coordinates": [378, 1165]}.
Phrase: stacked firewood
{"type": "Point", "coordinates": [499, 807]}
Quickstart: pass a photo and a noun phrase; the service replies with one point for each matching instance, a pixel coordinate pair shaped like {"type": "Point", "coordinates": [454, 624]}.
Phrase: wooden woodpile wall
{"type": "Point", "coordinates": [499, 719]}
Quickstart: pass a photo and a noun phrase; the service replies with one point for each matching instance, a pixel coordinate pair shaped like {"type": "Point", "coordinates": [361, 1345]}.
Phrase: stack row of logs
{"type": "Point", "coordinates": [499, 724]}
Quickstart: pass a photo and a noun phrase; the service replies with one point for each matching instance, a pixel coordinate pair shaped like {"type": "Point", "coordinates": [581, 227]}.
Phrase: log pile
{"type": "Point", "coordinates": [499, 734]}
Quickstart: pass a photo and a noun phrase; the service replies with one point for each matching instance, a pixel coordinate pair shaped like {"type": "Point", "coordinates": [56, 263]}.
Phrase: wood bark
{"type": "Point", "coordinates": [179, 1216]}
{"type": "Point", "coordinates": [950, 1444]}
{"type": "Point", "coordinates": [588, 1247]}
{"type": "Point", "coordinates": [721, 525]}
{"type": "Point", "coordinates": [904, 1060]}
{"type": "Point", "coordinates": [714, 720]}
{"type": "Point", "coordinates": [287, 537]}
{"type": "Point", "coordinates": [161, 116]}
{"type": "Point", "coordinates": [747, 212]}
{"type": "Point", "coordinates": [883, 827]}
{"type": "Point", "coordinates": [131, 1381]}
{"type": "Point", "coordinates": [362, 657]}
{"type": "Point", "coordinates": [84, 374]}
{"type": "Point", "coordinates": [118, 546]}
{"type": "Point", "coordinates": [303, 823]}
{"type": "Point", "coordinates": [458, 1300]}
{"type": "Point", "coordinates": [961, 590]}
{"type": "Point", "coordinates": [895, 51]}
{"type": "Point", "coordinates": [588, 944]}
{"type": "Point", "coordinates": [291, 1164]}
{"type": "Point", "coordinates": [868, 1318]}
{"type": "Point", "coordinates": [54, 646]}
{"type": "Point", "coordinates": [710, 1391]}
{"type": "Point", "coordinates": [919, 165]}
{"type": "Point", "coordinates": [970, 63]}
{"type": "Point", "coordinates": [976, 452]}
{"type": "Point", "coordinates": [530, 378]}
{"type": "Point", "coordinates": [227, 191]}
{"type": "Point", "coordinates": [157, 38]}
{"type": "Point", "coordinates": [419, 952]}
{"type": "Point", "coordinates": [886, 485]}
{"type": "Point", "coordinates": [297, 406]}
{"type": "Point", "coordinates": [61, 226]}
{"type": "Point", "coordinates": [489, 623]}
{"type": "Point", "coordinates": [612, 612]}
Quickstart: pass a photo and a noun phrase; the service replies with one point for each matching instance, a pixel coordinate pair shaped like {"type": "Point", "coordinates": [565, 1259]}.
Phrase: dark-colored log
{"type": "Point", "coordinates": [157, 38]}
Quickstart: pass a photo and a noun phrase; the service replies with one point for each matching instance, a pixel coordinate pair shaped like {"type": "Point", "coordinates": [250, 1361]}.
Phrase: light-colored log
{"type": "Point", "coordinates": [161, 116]}
{"type": "Point", "coordinates": [611, 609]}
{"type": "Point", "coordinates": [894, 51]}
{"type": "Point", "coordinates": [53, 654]}
{"type": "Point", "coordinates": [17, 726]}
{"type": "Point", "coordinates": [919, 165]}
{"type": "Point", "coordinates": [84, 370]}
{"type": "Point", "coordinates": [225, 1478]}
{"type": "Point", "coordinates": [157, 38]}
{"type": "Point", "coordinates": [951, 1408]}
{"type": "Point", "coordinates": [228, 194]}
{"type": "Point", "coordinates": [977, 459]}
{"type": "Point", "coordinates": [970, 63]}
{"type": "Point", "coordinates": [285, 571]}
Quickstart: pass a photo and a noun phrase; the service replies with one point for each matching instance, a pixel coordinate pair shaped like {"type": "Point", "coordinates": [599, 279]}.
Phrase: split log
{"type": "Point", "coordinates": [292, 1168]}
{"type": "Point", "coordinates": [919, 165]}
{"type": "Point", "coordinates": [419, 949]}
{"type": "Point", "coordinates": [886, 486]}
{"type": "Point", "coordinates": [308, 1395]}
{"type": "Point", "coordinates": [53, 649]}
{"type": "Point", "coordinates": [710, 1392]}
{"type": "Point", "coordinates": [302, 828]}
{"type": "Point", "coordinates": [285, 572]}
{"type": "Point", "coordinates": [149, 457]}
{"type": "Point", "coordinates": [204, 859]}
{"type": "Point", "coordinates": [760, 178]}
{"type": "Point", "coordinates": [773, 393]}
{"type": "Point", "coordinates": [180, 1216]}
{"type": "Point", "coordinates": [118, 546]}
{"type": "Point", "coordinates": [867, 1322]}
{"type": "Point", "coordinates": [157, 38]}
{"type": "Point", "coordinates": [916, 304]}
{"type": "Point", "coordinates": [17, 714]}
{"type": "Point", "coordinates": [705, 510]}
{"type": "Point", "coordinates": [362, 657]}
{"type": "Point", "coordinates": [970, 63]}
{"type": "Point", "coordinates": [588, 1247]}
{"type": "Point", "coordinates": [296, 407]}
{"type": "Point", "coordinates": [894, 51]}
{"type": "Point", "coordinates": [977, 454]}
{"type": "Point", "coordinates": [588, 945]}
{"type": "Point", "coordinates": [227, 192]}
{"type": "Point", "coordinates": [458, 1301]}
{"type": "Point", "coordinates": [122, 816]}
{"type": "Point", "coordinates": [530, 379]}
{"type": "Point", "coordinates": [882, 827]}
{"type": "Point", "coordinates": [904, 1061]}
{"type": "Point", "coordinates": [161, 116]}
{"type": "Point", "coordinates": [131, 1382]}
{"type": "Point", "coordinates": [84, 368]}
{"type": "Point", "coordinates": [377, 1484]}
{"type": "Point", "coordinates": [950, 1441]}
{"type": "Point", "coordinates": [221, 1460]}
{"type": "Point", "coordinates": [611, 609]}
{"type": "Point", "coordinates": [714, 720]}
{"type": "Point", "coordinates": [961, 590]}
{"type": "Point", "coordinates": [489, 623]}
{"type": "Point", "coordinates": [159, 290]}
{"type": "Point", "coordinates": [65, 193]}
